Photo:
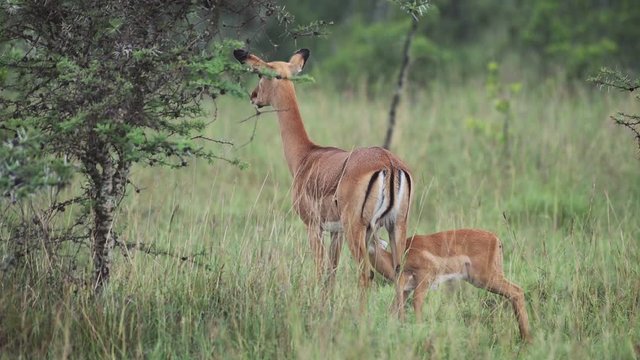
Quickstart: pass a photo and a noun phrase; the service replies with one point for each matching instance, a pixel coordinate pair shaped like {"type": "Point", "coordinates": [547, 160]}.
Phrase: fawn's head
{"type": "Point", "coordinates": [273, 75]}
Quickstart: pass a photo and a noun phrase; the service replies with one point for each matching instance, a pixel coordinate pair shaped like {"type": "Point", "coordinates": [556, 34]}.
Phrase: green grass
{"type": "Point", "coordinates": [566, 205]}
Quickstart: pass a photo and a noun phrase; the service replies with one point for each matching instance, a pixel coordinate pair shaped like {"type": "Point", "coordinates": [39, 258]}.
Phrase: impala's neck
{"type": "Point", "coordinates": [295, 140]}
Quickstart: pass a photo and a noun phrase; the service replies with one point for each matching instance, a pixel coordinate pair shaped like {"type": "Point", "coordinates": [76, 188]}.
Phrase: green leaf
{"type": "Point", "coordinates": [515, 87]}
{"type": "Point", "coordinates": [502, 105]}
{"type": "Point", "coordinates": [114, 25]}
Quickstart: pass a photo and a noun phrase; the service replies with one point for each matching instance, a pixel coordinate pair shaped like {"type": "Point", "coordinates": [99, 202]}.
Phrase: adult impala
{"type": "Point", "coordinates": [466, 254]}
{"type": "Point", "coordinates": [335, 190]}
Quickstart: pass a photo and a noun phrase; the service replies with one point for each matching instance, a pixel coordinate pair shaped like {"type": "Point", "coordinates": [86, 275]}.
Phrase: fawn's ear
{"type": "Point", "coordinates": [244, 57]}
{"type": "Point", "coordinates": [297, 61]}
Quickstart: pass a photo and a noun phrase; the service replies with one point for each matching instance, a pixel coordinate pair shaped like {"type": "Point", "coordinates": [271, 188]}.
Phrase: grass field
{"type": "Point", "coordinates": [566, 204]}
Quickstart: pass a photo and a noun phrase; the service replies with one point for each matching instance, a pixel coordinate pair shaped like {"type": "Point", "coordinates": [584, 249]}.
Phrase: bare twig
{"type": "Point", "coordinates": [253, 135]}
{"type": "Point", "coordinates": [154, 251]}
{"type": "Point", "coordinates": [255, 124]}
{"type": "Point", "coordinates": [223, 142]}
{"type": "Point", "coordinates": [135, 187]}
{"type": "Point", "coordinates": [258, 113]}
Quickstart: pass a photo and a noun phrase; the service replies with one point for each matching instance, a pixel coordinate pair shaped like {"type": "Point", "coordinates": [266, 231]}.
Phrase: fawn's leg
{"type": "Point", "coordinates": [423, 280]}
{"type": "Point", "coordinates": [397, 240]}
{"type": "Point", "coordinates": [514, 293]}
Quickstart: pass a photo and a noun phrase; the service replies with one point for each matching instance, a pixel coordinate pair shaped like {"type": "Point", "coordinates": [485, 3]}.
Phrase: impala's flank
{"type": "Point", "coordinates": [466, 254]}
{"type": "Point", "coordinates": [333, 190]}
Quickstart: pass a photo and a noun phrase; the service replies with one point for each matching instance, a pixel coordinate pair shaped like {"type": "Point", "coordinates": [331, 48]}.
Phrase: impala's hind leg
{"type": "Point", "coordinates": [334, 256]}
{"type": "Point", "coordinates": [356, 239]}
{"type": "Point", "coordinates": [356, 242]}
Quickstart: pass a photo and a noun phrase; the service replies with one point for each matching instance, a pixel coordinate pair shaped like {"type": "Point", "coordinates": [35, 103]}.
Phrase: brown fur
{"type": "Point", "coordinates": [331, 185]}
{"type": "Point", "coordinates": [477, 253]}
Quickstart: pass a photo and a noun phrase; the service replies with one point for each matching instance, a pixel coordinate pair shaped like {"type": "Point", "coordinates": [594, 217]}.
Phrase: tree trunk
{"type": "Point", "coordinates": [396, 96]}
{"type": "Point", "coordinates": [108, 174]}
{"type": "Point", "coordinates": [102, 237]}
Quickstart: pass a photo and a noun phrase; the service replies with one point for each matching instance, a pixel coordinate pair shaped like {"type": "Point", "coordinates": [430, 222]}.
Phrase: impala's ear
{"type": "Point", "coordinates": [245, 57]}
{"type": "Point", "coordinates": [297, 61]}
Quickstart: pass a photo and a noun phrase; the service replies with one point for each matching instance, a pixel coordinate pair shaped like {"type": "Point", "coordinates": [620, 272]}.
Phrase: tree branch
{"type": "Point", "coordinates": [395, 101]}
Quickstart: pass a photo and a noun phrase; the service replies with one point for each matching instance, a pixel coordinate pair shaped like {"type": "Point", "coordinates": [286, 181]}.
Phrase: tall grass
{"type": "Point", "coordinates": [566, 205]}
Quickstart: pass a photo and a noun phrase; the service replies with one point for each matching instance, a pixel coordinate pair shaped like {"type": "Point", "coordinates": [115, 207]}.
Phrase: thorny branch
{"type": "Point", "coordinates": [202, 137]}
{"type": "Point", "coordinates": [617, 80]}
{"type": "Point", "coordinates": [148, 249]}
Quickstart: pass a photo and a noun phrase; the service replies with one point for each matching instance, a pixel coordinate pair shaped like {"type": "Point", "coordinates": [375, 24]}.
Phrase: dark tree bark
{"type": "Point", "coordinates": [395, 101]}
{"type": "Point", "coordinates": [108, 175]}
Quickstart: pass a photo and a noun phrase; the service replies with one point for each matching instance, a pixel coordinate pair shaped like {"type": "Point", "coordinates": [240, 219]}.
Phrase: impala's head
{"type": "Point", "coordinates": [276, 74]}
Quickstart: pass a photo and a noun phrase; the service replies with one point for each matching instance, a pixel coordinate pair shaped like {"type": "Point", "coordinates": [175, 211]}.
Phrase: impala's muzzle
{"type": "Point", "coordinates": [255, 101]}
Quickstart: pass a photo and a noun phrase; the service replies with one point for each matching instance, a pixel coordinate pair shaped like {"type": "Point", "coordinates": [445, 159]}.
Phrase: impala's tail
{"type": "Point", "coordinates": [387, 196]}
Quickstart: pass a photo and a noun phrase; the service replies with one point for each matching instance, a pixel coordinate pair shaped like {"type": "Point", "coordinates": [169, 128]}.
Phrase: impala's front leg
{"type": "Point", "coordinates": [334, 256]}
{"type": "Point", "coordinates": [317, 248]}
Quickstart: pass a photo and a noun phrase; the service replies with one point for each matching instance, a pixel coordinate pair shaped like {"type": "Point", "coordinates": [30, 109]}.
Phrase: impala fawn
{"type": "Point", "coordinates": [335, 190]}
{"type": "Point", "coordinates": [466, 254]}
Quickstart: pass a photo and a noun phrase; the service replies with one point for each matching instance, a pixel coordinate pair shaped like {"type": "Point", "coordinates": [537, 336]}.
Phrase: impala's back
{"type": "Point", "coordinates": [383, 184]}
{"type": "Point", "coordinates": [372, 180]}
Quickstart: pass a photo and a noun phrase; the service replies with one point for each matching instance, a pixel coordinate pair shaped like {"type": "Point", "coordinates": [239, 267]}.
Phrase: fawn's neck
{"type": "Point", "coordinates": [382, 261]}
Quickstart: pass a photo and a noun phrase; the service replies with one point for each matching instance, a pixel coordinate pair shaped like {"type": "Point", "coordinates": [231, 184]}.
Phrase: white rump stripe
{"type": "Point", "coordinates": [382, 201]}
{"type": "Point", "coordinates": [401, 176]}
{"type": "Point", "coordinates": [402, 184]}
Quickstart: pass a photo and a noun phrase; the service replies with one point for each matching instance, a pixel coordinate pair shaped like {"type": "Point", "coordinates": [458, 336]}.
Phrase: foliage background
{"type": "Point", "coordinates": [456, 40]}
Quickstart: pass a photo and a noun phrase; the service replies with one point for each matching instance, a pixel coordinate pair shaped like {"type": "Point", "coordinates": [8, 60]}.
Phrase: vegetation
{"type": "Point", "coordinates": [566, 211]}
{"type": "Point", "coordinates": [105, 85]}
{"type": "Point", "coordinates": [456, 39]}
